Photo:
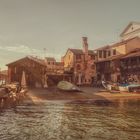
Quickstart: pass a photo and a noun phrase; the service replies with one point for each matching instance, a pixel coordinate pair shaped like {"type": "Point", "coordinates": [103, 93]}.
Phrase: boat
{"type": "Point", "coordinates": [113, 88]}
{"type": "Point", "coordinates": [106, 86]}
{"type": "Point", "coordinates": [129, 87]}
{"type": "Point", "coordinates": [124, 87]}
{"type": "Point", "coordinates": [134, 88]}
{"type": "Point", "coordinates": [109, 86]}
{"type": "Point", "coordinates": [121, 87]}
{"type": "Point", "coordinates": [67, 86]}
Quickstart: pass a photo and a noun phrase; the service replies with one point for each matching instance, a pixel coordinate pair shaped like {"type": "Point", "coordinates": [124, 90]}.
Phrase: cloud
{"type": "Point", "coordinates": [16, 49]}
{"type": "Point", "coordinates": [23, 49]}
{"type": "Point", "coordinates": [26, 50]}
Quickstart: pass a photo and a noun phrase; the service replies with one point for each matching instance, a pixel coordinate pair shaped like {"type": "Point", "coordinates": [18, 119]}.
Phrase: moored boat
{"type": "Point", "coordinates": [122, 87]}
{"type": "Point", "coordinates": [67, 86]}
{"type": "Point", "coordinates": [110, 87]}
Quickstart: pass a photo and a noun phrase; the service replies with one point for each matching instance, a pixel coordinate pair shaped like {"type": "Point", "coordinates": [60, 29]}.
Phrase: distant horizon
{"type": "Point", "coordinates": [29, 26]}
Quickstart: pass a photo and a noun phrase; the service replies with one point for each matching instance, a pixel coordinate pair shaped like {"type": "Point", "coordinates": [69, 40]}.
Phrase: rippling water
{"type": "Point", "coordinates": [72, 121]}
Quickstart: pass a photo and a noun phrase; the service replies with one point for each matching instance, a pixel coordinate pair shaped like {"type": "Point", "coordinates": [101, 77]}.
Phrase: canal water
{"type": "Point", "coordinates": [85, 120]}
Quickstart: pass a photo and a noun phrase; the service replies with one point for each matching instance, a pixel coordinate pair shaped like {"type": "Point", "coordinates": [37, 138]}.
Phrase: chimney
{"type": "Point", "coordinates": [85, 47]}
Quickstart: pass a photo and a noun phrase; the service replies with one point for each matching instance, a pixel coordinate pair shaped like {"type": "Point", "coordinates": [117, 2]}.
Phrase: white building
{"type": "Point", "coordinates": [132, 30]}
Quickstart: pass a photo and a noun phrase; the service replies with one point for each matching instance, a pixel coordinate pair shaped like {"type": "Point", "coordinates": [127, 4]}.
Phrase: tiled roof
{"type": "Point", "coordinates": [59, 63]}
{"type": "Point", "coordinates": [111, 58]}
{"type": "Point", "coordinates": [132, 54]}
{"type": "Point", "coordinates": [116, 44]}
{"type": "Point", "coordinates": [37, 60]}
{"type": "Point", "coordinates": [103, 48]}
{"type": "Point", "coordinates": [131, 23]}
{"type": "Point", "coordinates": [50, 58]}
{"type": "Point", "coordinates": [80, 51]}
{"type": "Point", "coordinates": [4, 72]}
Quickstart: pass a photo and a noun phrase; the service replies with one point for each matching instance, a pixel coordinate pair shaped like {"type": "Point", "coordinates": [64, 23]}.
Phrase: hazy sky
{"type": "Point", "coordinates": [28, 26]}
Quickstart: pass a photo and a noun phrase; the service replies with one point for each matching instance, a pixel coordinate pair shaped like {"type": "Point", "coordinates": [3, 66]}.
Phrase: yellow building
{"type": "Point", "coordinates": [80, 63]}
{"type": "Point", "coordinates": [108, 57]}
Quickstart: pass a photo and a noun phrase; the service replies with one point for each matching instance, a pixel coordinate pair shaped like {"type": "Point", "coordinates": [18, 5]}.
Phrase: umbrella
{"type": "Point", "coordinates": [23, 80]}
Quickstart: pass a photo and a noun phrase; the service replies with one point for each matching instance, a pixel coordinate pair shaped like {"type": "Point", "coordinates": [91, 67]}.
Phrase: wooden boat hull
{"type": "Point", "coordinates": [67, 86]}
{"type": "Point", "coordinates": [122, 88]}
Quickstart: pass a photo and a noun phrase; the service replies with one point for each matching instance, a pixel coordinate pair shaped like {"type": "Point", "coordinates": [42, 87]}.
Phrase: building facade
{"type": "Point", "coordinates": [108, 63]}
{"type": "Point", "coordinates": [130, 66]}
{"type": "Point", "coordinates": [131, 31]}
{"type": "Point", "coordinates": [80, 64]}
{"type": "Point", "coordinates": [38, 72]}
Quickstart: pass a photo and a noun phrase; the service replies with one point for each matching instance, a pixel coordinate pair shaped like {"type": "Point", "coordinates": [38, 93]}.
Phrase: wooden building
{"type": "Point", "coordinates": [33, 67]}
{"type": "Point", "coordinates": [37, 72]}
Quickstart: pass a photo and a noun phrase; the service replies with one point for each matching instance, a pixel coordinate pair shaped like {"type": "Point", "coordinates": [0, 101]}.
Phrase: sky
{"type": "Point", "coordinates": [29, 26]}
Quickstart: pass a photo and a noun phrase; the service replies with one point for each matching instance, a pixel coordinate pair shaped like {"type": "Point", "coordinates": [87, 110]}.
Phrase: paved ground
{"type": "Point", "coordinates": [88, 93]}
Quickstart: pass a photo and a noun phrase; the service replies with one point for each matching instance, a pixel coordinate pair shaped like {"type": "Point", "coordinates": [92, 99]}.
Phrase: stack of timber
{"type": "Point", "coordinates": [11, 95]}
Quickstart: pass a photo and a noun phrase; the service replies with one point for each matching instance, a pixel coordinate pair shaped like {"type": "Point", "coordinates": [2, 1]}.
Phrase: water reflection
{"type": "Point", "coordinates": [119, 120]}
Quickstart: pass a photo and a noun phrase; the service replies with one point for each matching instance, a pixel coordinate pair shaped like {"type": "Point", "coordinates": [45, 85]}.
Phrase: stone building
{"type": "Point", "coordinates": [130, 65]}
{"type": "Point", "coordinates": [54, 66]}
{"type": "Point", "coordinates": [50, 63]}
{"type": "Point", "coordinates": [80, 64]}
{"type": "Point", "coordinates": [132, 30]}
{"type": "Point", "coordinates": [108, 63]}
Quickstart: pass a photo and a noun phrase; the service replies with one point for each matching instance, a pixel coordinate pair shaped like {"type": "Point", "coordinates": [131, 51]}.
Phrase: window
{"type": "Point", "coordinates": [93, 67]}
{"type": "Point", "coordinates": [104, 53]}
{"type": "Point", "coordinates": [78, 56]}
{"type": "Point", "coordinates": [78, 67]}
{"type": "Point", "coordinates": [114, 52]}
{"type": "Point", "coordinates": [92, 57]}
{"type": "Point", "coordinates": [100, 54]}
{"type": "Point", "coordinates": [109, 53]}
